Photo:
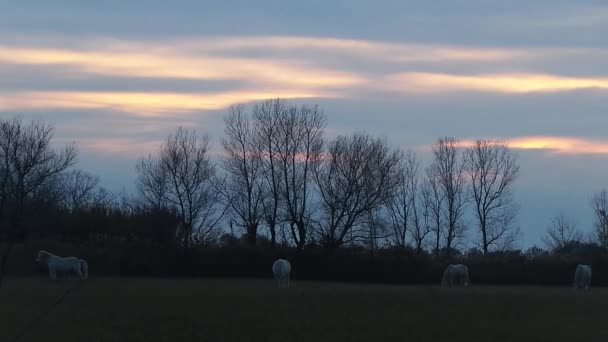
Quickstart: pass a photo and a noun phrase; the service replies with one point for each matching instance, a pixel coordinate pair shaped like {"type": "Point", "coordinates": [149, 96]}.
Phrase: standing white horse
{"type": "Point", "coordinates": [281, 269]}
{"type": "Point", "coordinates": [582, 277]}
{"type": "Point", "coordinates": [57, 264]}
{"type": "Point", "coordinates": [455, 275]}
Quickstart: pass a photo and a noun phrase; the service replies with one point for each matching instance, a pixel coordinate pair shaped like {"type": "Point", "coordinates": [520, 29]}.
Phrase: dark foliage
{"type": "Point", "coordinates": [126, 257]}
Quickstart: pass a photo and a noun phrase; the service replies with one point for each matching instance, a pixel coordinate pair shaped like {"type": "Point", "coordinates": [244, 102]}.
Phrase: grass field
{"type": "Point", "coordinates": [144, 309]}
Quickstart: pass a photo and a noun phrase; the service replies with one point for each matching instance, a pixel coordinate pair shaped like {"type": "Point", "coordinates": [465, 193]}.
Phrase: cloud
{"type": "Point", "coordinates": [270, 61]}
{"type": "Point", "coordinates": [175, 65]}
{"type": "Point", "coordinates": [242, 69]}
{"type": "Point", "coordinates": [142, 103]}
{"type": "Point", "coordinates": [502, 83]}
{"type": "Point", "coordinates": [554, 144]}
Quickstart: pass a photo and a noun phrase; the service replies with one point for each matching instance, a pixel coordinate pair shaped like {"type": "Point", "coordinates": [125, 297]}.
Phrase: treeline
{"type": "Point", "coordinates": [390, 265]}
{"type": "Point", "coordinates": [281, 177]}
{"type": "Point", "coordinates": [282, 187]}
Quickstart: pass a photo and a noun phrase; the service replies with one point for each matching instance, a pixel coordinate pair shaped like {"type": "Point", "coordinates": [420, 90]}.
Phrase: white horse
{"type": "Point", "coordinates": [57, 264]}
{"type": "Point", "coordinates": [455, 275]}
{"type": "Point", "coordinates": [281, 269]}
{"type": "Point", "coordinates": [582, 277]}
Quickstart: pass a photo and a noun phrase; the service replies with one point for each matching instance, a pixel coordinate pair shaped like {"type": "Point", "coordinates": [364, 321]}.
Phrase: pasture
{"type": "Point", "coordinates": [148, 309]}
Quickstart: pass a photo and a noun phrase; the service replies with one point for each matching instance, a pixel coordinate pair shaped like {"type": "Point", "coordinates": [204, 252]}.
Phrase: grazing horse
{"type": "Point", "coordinates": [57, 264]}
{"type": "Point", "coordinates": [281, 269]}
{"type": "Point", "coordinates": [582, 277]}
{"type": "Point", "coordinates": [455, 275]}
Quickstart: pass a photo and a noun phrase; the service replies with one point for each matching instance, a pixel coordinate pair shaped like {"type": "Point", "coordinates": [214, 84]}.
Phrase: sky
{"type": "Point", "coordinates": [117, 77]}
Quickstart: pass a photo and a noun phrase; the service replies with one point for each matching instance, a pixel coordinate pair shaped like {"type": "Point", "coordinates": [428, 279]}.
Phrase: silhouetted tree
{"type": "Point", "coordinates": [243, 165]}
{"type": "Point", "coordinates": [493, 168]}
{"type": "Point", "coordinates": [298, 144]}
{"type": "Point", "coordinates": [375, 228]}
{"type": "Point", "coordinates": [76, 189]}
{"type": "Point", "coordinates": [28, 164]}
{"type": "Point", "coordinates": [599, 204]}
{"type": "Point", "coordinates": [183, 178]}
{"type": "Point", "coordinates": [400, 206]}
{"type": "Point", "coordinates": [266, 117]}
{"type": "Point", "coordinates": [562, 233]}
{"type": "Point", "coordinates": [448, 170]}
{"type": "Point", "coordinates": [357, 174]}
{"type": "Point", "coordinates": [421, 216]}
{"type": "Point", "coordinates": [152, 184]}
{"type": "Point", "coordinates": [434, 201]}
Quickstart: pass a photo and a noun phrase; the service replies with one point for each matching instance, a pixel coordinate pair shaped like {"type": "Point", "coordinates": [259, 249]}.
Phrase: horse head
{"type": "Point", "coordinates": [43, 257]}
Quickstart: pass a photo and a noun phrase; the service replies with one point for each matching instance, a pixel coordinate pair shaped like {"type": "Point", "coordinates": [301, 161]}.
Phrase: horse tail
{"type": "Point", "coordinates": [84, 268]}
{"type": "Point", "coordinates": [444, 278]}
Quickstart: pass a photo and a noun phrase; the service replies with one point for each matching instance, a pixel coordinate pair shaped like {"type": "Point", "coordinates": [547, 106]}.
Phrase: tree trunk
{"type": "Point", "coordinates": [331, 243]}
{"type": "Point", "coordinates": [448, 248]}
{"type": "Point", "coordinates": [485, 242]}
{"type": "Point", "coordinates": [273, 235]}
{"type": "Point", "coordinates": [437, 243]}
{"type": "Point", "coordinates": [252, 234]}
{"type": "Point", "coordinates": [301, 235]}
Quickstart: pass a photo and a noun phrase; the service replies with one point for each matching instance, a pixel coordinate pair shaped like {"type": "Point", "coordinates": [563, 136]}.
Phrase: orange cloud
{"type": "Point", "coordinates": [178, 64]}
{"type": "Point", "coordinates": [562, 145]}
{"type": "Point", "coordinates": [214, 58]}
{"type": "Point", "coordinates": [288, 67]}
{"type": "Point", "coordinates": [503, 83]}
{"type": "Point", "coordinates": [147, 104]}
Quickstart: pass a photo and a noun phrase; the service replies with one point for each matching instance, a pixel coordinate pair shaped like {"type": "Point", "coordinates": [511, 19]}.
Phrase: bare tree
{"type": "Point", "coordinates": [493, 168]}
{"type": "Point", "coordinates": [421, 216]}
{"type": "Point", "coordinates": [562, 233]}
{"type": "Point", "coordinates": [400, 207]}
{"type": "Point", "coordinates": [184, 179]}
{"type": "Point", "coordinates": [298, 146]}
{"type": "Point", "coordinates": [76, 189]}
{"type": "Point", "coordinates": [434, 202]}
{"type": "Point", "coordinates": [357, 175]}
{"type": "Point", "coordinates": [243, 165]}
{"type": "Point", "coordinates": [102, 198]}
{"type": "Point", "coordinates": [599, 204]}
{"type": "Point", "coordinates": [266, 118]}
{"type": "Point", "coordinates": [407, 210]}
{"type": "Point", "coordinates": [151, 182]}
{"type": "Point", "coordinates": [376, 228]}
{"type": "Point", "coordinates": [448, 169]}
{"type": "Point", "coordinates": [28, 163]}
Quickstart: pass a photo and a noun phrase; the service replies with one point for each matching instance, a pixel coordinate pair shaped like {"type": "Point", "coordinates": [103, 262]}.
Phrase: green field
{"type": "Point", "coordinates": [146, 309]}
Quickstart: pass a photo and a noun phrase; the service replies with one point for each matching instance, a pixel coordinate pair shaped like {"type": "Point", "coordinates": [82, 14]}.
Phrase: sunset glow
{"type": "Point", "coordinates": [140, 103]}
{"type": "Point", "coordinates": [561, 145]}
{"type": "Point", "coordinates": [118, 77]}
{"type": "Point", "coordinates": [502, 83]}
{"type": "Point", "coordinates": [174, 65]}
{"type": "Point", "coordinates": [279, 66]}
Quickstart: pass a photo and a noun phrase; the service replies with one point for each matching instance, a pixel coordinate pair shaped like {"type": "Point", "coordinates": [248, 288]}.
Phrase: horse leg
{"type": "Point", "coordinates": [288, 281]}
